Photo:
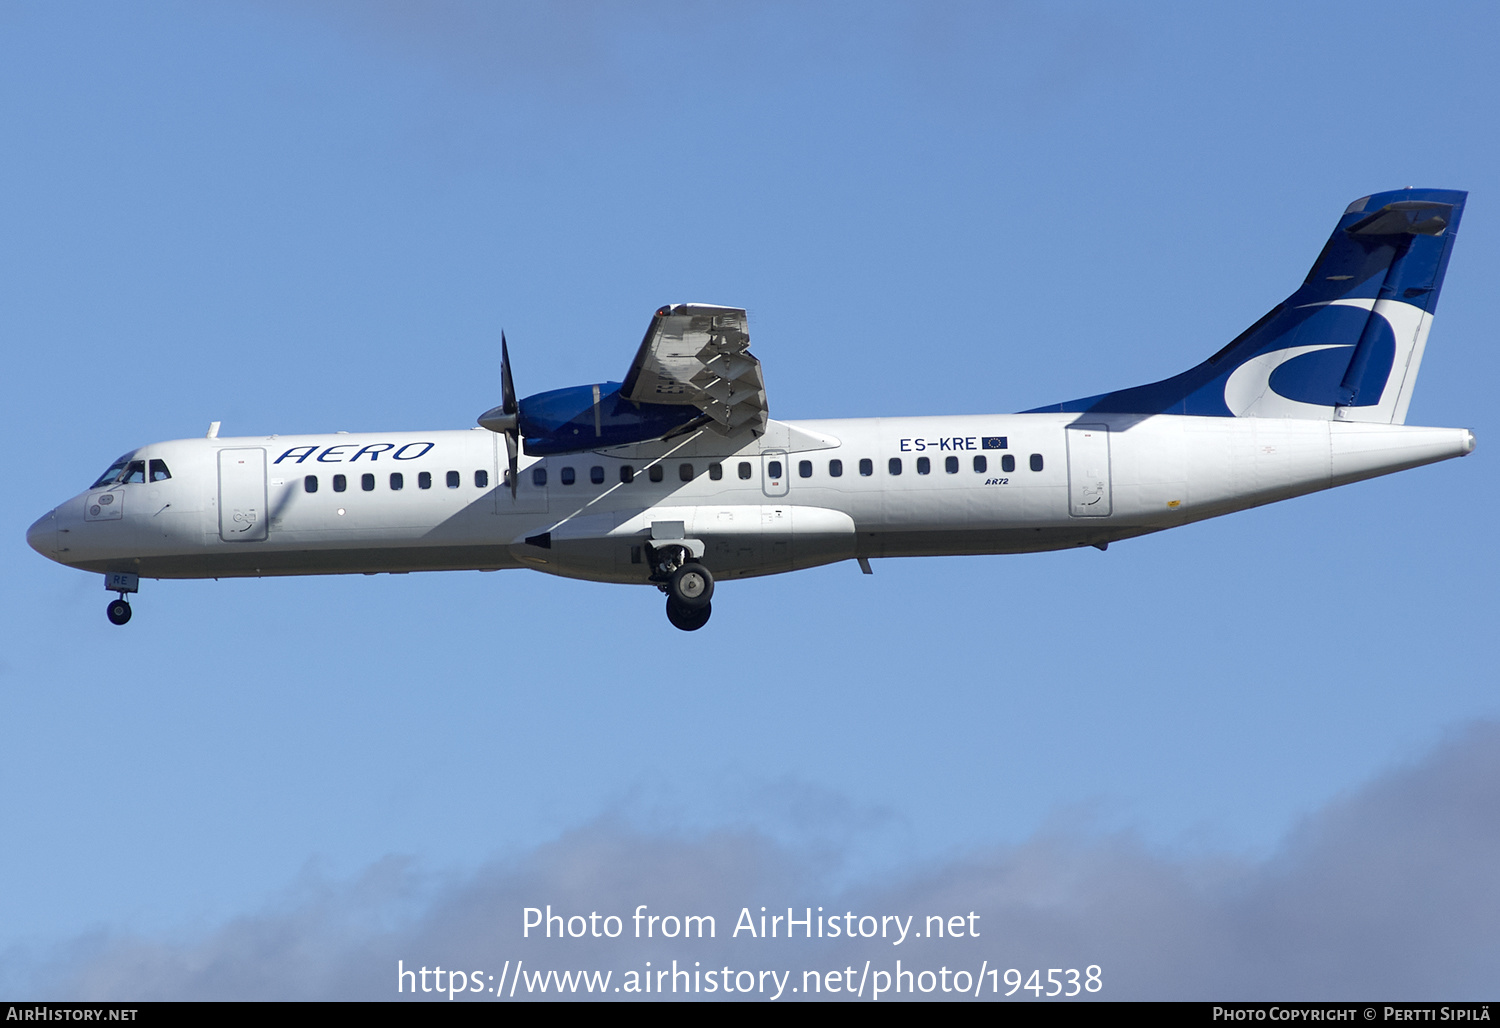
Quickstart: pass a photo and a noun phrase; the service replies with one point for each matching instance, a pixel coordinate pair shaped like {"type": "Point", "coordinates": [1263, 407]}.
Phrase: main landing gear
{"type": "Point", "coordinates": [689, 586]}
{"type": "Point", "coordinates": [688, 620]}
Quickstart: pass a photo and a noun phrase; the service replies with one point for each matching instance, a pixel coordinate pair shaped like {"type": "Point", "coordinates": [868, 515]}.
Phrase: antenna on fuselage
{"type": "Point", "coordinates": [213, 430]}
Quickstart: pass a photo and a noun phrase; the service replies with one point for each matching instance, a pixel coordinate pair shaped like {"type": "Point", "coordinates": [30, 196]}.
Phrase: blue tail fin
{"type": "Point", "coordinates": [1346, 346]}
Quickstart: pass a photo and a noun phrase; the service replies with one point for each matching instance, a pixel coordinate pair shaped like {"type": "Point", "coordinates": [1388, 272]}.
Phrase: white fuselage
{"type": "Point", "coordinates": [437, 500]}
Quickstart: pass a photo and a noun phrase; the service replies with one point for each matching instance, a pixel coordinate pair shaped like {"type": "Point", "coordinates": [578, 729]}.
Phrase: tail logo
{"type": "Point", "coordinates": [1250, 385]}
{"type": "Point", "coordinates": [1248, 391]}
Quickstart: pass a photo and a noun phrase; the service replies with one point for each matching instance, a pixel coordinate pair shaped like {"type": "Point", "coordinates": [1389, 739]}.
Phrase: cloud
{"type": "Point", "coordinates": [1389, 891]}
{"type": "Point", "coordinates": [595, 51]}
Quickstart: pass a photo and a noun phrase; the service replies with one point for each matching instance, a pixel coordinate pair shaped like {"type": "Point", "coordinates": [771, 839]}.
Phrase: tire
{"type": "Point", "coordinates": [691, 586]}
{"type": "Point", "coordinates": [118, 612]}
{"type": "Point", "coordinates": [688, 620]}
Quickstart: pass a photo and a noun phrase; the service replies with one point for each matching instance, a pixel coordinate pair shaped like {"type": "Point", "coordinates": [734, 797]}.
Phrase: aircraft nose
{"type": "Point", "coordinates": [42, 535]}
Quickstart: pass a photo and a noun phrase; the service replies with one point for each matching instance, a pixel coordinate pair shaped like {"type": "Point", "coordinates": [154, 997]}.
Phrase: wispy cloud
{"type": "Point", "coordinates": [1389, 891]}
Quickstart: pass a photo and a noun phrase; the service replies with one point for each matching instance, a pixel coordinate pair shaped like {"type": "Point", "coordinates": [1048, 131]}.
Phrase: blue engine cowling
{"type": "Point", "coordinates": [569, 420]}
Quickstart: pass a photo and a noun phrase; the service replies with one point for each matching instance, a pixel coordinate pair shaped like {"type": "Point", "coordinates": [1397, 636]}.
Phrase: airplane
{"type": "Point", "coordinates": [677, 477]}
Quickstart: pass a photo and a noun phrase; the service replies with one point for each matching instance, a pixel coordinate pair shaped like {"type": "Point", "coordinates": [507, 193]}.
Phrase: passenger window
{"type": "Point", "coordinates": [835, 469]}
{"type": "Point", "coordinates": [716, 471]}
{"type": "Point", "coordinates": [596, 475]}
{"type": "Point", "coordinates": [924, 466]}
{"type": "Point", "coordinates": [481, 479]}
{"type": "Point", "coordinates": [804, 468]}
{"type": "Point", "coordinates": [136, 472]}
{"type": "Point", "coordinates": [685, 472]}
{"type": "Point", "coordinates": [453, 480]}
{"type": "Point", "coordinates": [656, 473]}
{"type": "Point", "coordinates": [538, 476]}
{"type": "Point", "coordinates": [1007, 463]}
{"type": "Point", "coordinates": [566, 476]}
{"type": "Point", "coordinates": [894, 465]}
{"type": "Point", "coordinates": [981, 463]}
{"type": "Point", "coordinates": [367, 482]}
{"type": "Point", "coordinates": [950, 465]}
{"type": "Point", "coordinates": [773, 469]}
{"type": "Point", "coordinates": [627, 474]}
{"type": "Point", "coordinates": [310, 483]}
{"type": "Point", "coordinates": [866, 466]}
{"type": "Point", "coordinates": [744, 469]}
{"type": "Point", "coordinates": [424, 479]}
{"type": "Point", "coordinates": [398, 481]}
{"type": "Point", "coordinates": [159, 472]}
{"type": "Point", "coordinates": [1036, 462]}
{"type": "Point", "coordinates": [340, 483]}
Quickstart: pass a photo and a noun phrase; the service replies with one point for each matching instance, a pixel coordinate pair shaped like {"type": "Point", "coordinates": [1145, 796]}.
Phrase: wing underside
{"type": "Point", "coordinates": [699, 355]}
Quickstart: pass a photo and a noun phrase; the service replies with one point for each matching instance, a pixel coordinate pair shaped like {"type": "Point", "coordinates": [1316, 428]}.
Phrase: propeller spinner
{"type": "Point", "coordinates": [505, 419]}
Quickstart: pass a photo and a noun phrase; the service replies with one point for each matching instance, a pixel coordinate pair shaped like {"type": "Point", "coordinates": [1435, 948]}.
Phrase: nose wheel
{"type": "Point", "coordinates": [118, 611]}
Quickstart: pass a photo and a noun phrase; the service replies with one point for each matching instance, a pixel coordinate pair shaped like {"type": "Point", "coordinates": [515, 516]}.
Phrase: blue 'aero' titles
{"type": "Point", "coordinates": [332, 454]}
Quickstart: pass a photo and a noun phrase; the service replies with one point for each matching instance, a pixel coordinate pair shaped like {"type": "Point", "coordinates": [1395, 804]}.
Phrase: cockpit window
{"type": "Point", "coordinates": [112, 474]}
{"type": "Point", "coordinates": [135, 472]}
{"type": "Point", "coordinates": [159, 472]}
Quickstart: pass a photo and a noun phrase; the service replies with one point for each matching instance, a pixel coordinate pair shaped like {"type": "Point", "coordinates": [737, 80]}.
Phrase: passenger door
{"type": "Point", "coordinates": [242, 495]}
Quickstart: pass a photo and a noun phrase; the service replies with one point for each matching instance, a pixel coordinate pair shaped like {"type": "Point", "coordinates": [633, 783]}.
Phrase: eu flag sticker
{"type": "Point", "coordinates": [994, 442]}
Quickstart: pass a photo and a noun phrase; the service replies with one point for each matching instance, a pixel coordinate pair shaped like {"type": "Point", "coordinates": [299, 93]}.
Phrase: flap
{"type": "Point", "coordinates": [699, 355]}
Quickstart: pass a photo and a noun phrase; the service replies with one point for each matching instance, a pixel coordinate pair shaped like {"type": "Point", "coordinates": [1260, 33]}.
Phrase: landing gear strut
{"type": "Point", "coordinates": [689, 586]}
{"type": "Point", "coordinates": [120, 582]}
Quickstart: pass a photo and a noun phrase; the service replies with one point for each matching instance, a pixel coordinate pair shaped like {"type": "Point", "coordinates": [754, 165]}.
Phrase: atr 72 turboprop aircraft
{"type": "Point", "coordinates": [677, 477]}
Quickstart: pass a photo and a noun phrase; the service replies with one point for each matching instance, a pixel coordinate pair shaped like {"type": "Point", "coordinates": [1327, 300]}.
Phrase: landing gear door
{"type": "Point", "coordinates": [242, 495]}
{"type": "Point", "coordinates": [1088, 471]}
{"type": "Point", "coordinates": [776, 472]}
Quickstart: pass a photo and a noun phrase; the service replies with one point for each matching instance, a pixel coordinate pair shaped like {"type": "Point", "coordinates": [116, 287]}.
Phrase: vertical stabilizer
{"type": "Point", "coordinates": [1346, 346]}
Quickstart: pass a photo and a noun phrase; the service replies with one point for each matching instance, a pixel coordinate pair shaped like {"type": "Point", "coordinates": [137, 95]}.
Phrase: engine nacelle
{"type": "Point", "coordinates": [593, 417]}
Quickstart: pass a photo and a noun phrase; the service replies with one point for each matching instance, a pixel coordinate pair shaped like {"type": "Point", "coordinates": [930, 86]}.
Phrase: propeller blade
{"type": "Point", "coordinates": [507, 385]}
{"type": "Point", "coordinates": [512, 448]}
{"type": "Point", "coordinates": [511, 407]}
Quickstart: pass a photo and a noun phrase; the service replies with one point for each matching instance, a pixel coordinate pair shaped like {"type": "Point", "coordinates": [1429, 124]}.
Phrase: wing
{"type": "Point", "coordinates": [698, 355]}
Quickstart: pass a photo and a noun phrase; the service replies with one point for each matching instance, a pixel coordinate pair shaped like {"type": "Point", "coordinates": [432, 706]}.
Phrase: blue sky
{"type": "Point", "coordinates": [292, 217]}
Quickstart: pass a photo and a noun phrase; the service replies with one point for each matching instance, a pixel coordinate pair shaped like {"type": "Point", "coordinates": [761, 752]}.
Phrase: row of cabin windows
{"type": "Point", "coordinates": [981, 464]}
{"type": "Point", "coordinates": [894, 466]}
{"type": "Point", "coordinates": [569, 475]}
{"type": "Point", "coordinates": [397, 481]}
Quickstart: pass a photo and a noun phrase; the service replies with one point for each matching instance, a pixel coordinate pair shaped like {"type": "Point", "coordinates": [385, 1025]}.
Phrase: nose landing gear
{"type": "Point", "coordinates": [120, 582]}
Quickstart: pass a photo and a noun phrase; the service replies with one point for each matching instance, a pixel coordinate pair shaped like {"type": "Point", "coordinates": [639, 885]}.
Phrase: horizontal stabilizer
{"type": "Point", "coordinates": [1405, 218]}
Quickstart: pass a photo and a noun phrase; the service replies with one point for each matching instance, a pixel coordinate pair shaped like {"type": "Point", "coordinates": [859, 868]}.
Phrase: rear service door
{"type": "Point", "coordinates": [242, 495]}
{"type": "Point", "coordinates": [1088, 471]}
